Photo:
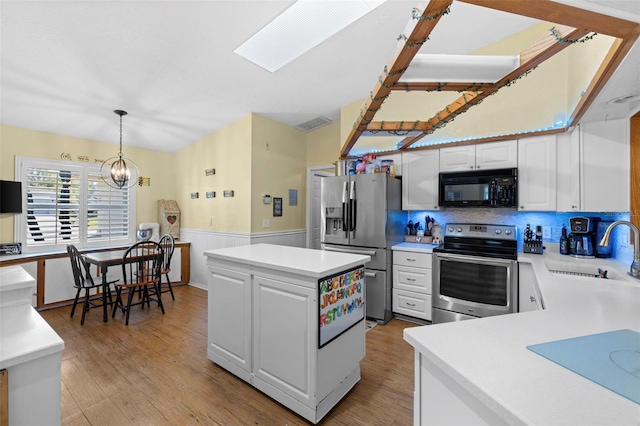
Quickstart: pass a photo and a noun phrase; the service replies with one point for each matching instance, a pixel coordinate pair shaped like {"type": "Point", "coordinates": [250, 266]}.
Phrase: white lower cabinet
{"type": "Point", "coordinates": [264, 327]}
{"type": "Point", "coordinates": [282, 348]}
{"type": "Point", "coordinates": [528, 293]}
{"type": "Point", "coordinates": [230, 320]}
{"type": "Point", "coordinates": [412, 284]}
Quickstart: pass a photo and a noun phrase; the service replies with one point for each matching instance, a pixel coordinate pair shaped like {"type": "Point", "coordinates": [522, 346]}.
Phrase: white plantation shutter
{"type": "Point", "coordinates": [107, 211]}
{"type": "Point", "coordinates": [53, 206]}
{"type": "Point", "coordinates": [69, 203]}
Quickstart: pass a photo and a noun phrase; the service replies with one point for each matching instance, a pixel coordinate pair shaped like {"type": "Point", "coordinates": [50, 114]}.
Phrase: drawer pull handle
{"type": "Point", "coordinates": [410, 260]}
{"type": "Point", "coordinates": [411, 304]}
{"type": "Point", "coordinates": [411, 279]}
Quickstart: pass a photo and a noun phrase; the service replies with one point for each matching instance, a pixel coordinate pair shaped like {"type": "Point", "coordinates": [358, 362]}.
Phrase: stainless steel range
{"type": "Point", "coordinates": [475, 272]}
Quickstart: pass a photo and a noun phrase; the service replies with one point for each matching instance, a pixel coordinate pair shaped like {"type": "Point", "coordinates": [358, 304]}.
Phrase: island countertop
{"type": "Point", "coordinates": [296, 260]}
{"type": "Point", "coordinates": [489, 358]}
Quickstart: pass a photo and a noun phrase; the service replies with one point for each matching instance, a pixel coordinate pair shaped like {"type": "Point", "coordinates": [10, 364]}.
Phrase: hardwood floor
{"type": "Point", "coordinates": [156, 371]}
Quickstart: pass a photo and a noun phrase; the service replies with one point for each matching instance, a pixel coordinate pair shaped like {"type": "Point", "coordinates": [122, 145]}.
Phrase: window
{"type": "Point", "coordinates": [68, 203]}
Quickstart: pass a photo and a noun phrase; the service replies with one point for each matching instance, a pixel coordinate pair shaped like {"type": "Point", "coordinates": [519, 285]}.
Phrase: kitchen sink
{"type": "Point", "coordinates": [580, 270]}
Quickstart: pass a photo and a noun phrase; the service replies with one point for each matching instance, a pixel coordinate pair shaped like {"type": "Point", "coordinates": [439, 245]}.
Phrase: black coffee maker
{"type": "Point", "coordinates": [584, 236]}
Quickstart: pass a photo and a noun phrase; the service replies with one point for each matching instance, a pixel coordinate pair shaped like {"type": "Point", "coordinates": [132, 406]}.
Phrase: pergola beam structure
{"type": "Point", "coordinates": [572, 23]}
{"type": "Point", "coordinates": [530, 58]}
{"type": "Point", "coordinates": [416, 32]}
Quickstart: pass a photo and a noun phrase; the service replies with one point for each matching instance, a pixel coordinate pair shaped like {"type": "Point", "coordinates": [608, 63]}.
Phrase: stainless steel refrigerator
{"type": "Point", "coordinates": [362, 214]}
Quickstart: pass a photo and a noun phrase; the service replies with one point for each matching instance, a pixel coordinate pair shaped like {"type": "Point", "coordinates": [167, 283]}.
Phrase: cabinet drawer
{"type": "Point", "coordinates": [412, 279]}
{"type": "Point", "coordinates": [412, 304]}
{"type": "Point", "coordinates": [408, 258]}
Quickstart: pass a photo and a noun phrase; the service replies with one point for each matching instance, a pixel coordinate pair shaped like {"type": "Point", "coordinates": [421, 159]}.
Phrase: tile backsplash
{"type": "Point", "coordinates": [552, 220]}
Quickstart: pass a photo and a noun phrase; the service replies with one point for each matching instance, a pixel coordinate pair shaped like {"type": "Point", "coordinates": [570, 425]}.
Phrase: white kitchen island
{"type": "Point", "coordinates": [481, 372]}
{"type": "Point", "coordinates": [289, 321]}
{"type": "Point", "coordinates": [30, 351]}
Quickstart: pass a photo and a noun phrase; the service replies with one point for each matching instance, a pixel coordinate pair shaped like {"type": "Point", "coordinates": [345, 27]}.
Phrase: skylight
{"type": "Point", "coordinates": [300, 28]}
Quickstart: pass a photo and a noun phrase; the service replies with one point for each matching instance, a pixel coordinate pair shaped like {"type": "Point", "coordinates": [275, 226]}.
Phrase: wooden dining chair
{"type": "Point", "coordinates": [168, 244]}
{"type": "Point", "coordinates": [141, 268]}
{"type": "Point", "coordinates": [83, 281]}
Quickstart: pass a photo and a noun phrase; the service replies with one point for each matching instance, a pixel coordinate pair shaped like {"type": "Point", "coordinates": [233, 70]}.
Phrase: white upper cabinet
{"type": "Point", "coordinates": [497, 155]}
{"type": "Point", "coordinates": [593, 168]}
{"type": "Point", "coordinates": [568, 173]}
{"type": "Point", "coordinates": [537, 173]}
{"type": "Point", "coordinates": [458, 158]}
{"type": "Point", "coordinates": [490, 155]}
{"type": "Point", "coordinates": [420, 180]}
{"type": "Point", "coordinates": [605, 160]}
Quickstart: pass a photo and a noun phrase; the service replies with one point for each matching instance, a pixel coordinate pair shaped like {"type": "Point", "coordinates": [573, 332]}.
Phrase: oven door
{"type": "Point", "coordinates": [474, 285]}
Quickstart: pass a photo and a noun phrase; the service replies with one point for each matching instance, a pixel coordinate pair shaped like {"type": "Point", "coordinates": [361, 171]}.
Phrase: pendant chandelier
{"type": "Point", "coordinates": [116, 171]}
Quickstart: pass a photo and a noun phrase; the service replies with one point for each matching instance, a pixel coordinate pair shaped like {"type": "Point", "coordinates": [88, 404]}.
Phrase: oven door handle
{"type": "Point", "coordinates": [475, 259]}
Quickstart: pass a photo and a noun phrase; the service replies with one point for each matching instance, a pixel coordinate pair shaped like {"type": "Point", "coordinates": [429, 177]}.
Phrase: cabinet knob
{"type": "Point", "coordinates": [471, 167]}
{"type": "Point", "coordinates": [574, 207]}
{"type": "Point", "coordinates": [533, 299]}
{"type": "Point", "coordinates": [522, 207]}
{"type": "Point", "coordinates": [477, 167]}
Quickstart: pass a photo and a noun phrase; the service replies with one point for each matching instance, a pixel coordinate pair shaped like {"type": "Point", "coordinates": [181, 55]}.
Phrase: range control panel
{"type": "Point", "coordinates": [473, 230]}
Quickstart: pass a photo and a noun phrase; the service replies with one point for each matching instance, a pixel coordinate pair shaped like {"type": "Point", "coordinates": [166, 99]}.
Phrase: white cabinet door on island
{"type": "Point", "coordinates": [230, 320]}
{"type": "Point", "coordinates": [279, 318]}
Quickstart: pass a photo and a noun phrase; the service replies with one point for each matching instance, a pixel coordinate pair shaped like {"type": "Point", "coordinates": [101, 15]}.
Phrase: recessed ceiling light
{"type": "Point", "coordinates": [300, 28]}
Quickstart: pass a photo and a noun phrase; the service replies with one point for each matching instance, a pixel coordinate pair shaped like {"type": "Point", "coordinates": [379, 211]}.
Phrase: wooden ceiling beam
{"type": "Point", "coordinates": [563, 14]}
{"type": "Point", "coordinates": [416, 32]}
{"type": "Point", "coordinates": [615, 56]}
{"type": "Point", "coordinates": [398, 126]}
{"type": "Point", "coordinates": [417, 86]}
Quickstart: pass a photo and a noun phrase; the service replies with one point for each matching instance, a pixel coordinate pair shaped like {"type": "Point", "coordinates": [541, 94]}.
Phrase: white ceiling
{"type": "Point", "coordinates": [66, 65]}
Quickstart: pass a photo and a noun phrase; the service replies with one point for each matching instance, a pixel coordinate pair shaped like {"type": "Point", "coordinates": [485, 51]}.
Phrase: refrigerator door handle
{"type": "Point", "coordinates": [345, 215]}
{"type": "Point", "coordinates": [353, 209]}
{"type": "Point", "coordinates": [370, 274]}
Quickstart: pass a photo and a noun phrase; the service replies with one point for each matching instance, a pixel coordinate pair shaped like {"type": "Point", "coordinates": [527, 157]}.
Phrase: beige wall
{"type": "Point", "coordinates": [15, 141]}
{"type": "Point", "coordinates": [228, 151]}
{"type": "Point", "coordinates": [323, 145]}
{"type": "Point", "coordinates": [278, 164]}
{"type": "Point", "coordinates": [584, 59]}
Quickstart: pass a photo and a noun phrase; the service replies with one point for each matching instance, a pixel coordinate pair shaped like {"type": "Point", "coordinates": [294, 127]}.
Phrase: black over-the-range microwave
{"type": "Point", "coordinates": [479, 188]}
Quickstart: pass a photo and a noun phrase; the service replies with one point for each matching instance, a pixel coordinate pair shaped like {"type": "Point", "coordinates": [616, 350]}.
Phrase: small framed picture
{"type": "Point", "coordinates": [277, 207]}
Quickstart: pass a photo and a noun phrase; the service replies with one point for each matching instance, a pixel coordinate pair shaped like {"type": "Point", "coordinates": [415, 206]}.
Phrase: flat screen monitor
{"type": "Point", "coordinates": [10, 196]}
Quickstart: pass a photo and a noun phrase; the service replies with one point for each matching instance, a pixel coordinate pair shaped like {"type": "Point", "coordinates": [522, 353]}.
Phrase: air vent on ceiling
{"type": "Point", "coordinates": [313, 124]}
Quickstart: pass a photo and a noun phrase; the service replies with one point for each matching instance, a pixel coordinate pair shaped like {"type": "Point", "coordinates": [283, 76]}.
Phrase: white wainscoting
{"type": "Point", "coordinates": [208, 240]}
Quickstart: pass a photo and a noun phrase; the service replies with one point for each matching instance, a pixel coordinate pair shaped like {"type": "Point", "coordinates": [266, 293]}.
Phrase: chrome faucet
{"type": "Point", "coordinates": [635, 265]}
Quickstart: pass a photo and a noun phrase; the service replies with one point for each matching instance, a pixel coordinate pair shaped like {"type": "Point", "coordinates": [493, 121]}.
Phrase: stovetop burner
{"type": "Point", "coordinates": [496, 241]}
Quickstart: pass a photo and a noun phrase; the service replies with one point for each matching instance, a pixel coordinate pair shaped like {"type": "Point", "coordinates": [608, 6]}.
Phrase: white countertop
{"type": "Point", "coordinates": [24, 334]}
{"type": "Point", "coordinates": [489, 358]}
{"type": "Point", "coordinates": [296, 260]}
{"type": "Point", "coordinates": [415, 247]}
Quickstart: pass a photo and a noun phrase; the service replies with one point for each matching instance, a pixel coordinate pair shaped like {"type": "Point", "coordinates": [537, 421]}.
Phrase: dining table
{"type": "Point", "coordinates": [103, 260]}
